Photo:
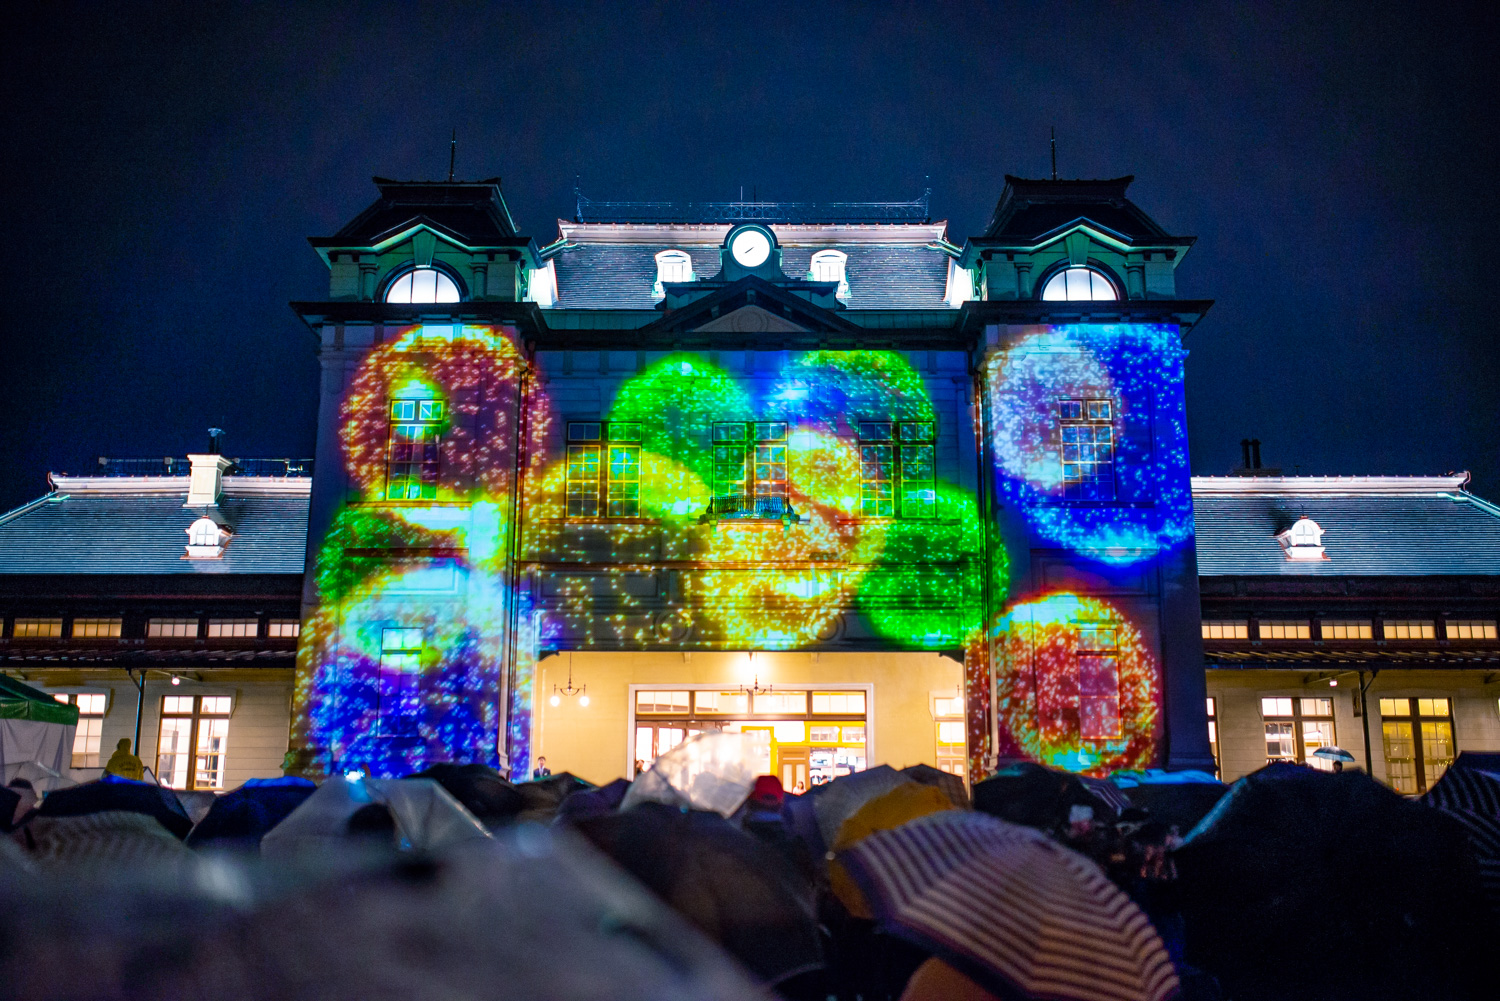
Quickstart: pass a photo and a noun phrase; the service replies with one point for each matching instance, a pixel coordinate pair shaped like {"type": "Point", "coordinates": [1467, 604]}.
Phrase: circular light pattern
{"type": "Point", "coordinates": [1070, 666]}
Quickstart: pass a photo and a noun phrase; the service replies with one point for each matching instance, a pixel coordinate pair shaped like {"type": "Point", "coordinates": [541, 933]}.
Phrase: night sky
{"type": "Point", "coordinates": [163, 170]}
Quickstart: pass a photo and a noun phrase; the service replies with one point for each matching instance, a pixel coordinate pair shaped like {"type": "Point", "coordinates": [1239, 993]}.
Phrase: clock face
{"type": "Point", "coordinates": [751, 248]}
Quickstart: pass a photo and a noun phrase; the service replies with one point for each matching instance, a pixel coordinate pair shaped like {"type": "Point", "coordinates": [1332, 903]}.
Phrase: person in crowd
{"type": "Point", "coordinates": [125, 764]}
{"type": "Point", "coordinates": [541, 770]}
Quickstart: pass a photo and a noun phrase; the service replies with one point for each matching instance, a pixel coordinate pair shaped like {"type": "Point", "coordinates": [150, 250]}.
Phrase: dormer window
{"type": "Point", "coordinates": [1303, 541]}
{"type": "Point", "coordinates": [423, 285]}
{"type": "Point", "coordinates": [206, 539]}
{"type": "Point", "coordinates": [672, 266]}
{"type": "Point", "coordinates": [828, 266]}
{"type": "Point", "coordinates": [1079, 284]}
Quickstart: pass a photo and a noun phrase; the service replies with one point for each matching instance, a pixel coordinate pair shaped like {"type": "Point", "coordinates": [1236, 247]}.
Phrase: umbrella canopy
{"type": "Point", "coordinates": [711, 771]}
{"type": "Point", "coordinates": [111, 793]}
{"type": "Point", "coordinates": [108, 837]}
{"type": "Point", "coordinates": [426, 817]}
{"type": "Point", "coordinates": [1470, 793]}
{"type": "Point", "coordinates": [952, 785]}
{"type": "Point", "coordinates": [902, 804]}
{"type": "Point", "coordinates": [1012, 909]}
{"type": "Point", "coordinates": [1331, 753]}
{"type": "Point", "coordinates": [837, 801]}
{"type": "Point", "coordinates": [543, 797]}
{"type": "Point", "coordinates": [42, 778]}
{"type": "Point", "coordinates": [594, 802]}
{"type": "Point", "coordinates": [240, 818]}
{"type": "Point", "coordinates": [1306, 866]}
{"type": "Point", "coordinates": [1024, 792]}
{"type": "Point", "coordinates": [737, 890]}
{"type": "Point", "coordinates": [540, 916]}
{"type": "Point", "coordinates": [482, 790]}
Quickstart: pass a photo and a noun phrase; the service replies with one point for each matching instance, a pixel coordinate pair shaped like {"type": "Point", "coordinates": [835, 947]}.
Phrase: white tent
{"type": "Point", "coordinates": [36, 730]}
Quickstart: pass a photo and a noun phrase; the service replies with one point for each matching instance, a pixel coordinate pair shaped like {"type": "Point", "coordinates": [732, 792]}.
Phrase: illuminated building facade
{"type": "Point", "coordinates": [811, 471]}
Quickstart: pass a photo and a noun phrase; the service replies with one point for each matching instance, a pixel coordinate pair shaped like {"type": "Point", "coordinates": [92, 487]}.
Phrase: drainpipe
{"type": "Point", "coordinates": [140, 698]}
{"type": "Point", "coordinates": [1364, 717]}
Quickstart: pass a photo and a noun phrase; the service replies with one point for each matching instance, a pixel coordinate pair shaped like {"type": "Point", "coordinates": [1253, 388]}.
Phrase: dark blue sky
{"type": "Point", "coordinates": [164, 165]}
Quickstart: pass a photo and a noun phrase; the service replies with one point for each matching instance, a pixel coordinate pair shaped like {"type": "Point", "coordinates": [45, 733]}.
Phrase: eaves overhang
{"type": "Point", "coordinates": [514, 247]}
{"type": "Point", "coordinates": [526, 316]}
{"type": "Point", "coordinates": [975, 316]}
{"type": "Point", "coordinates": [990, 245]}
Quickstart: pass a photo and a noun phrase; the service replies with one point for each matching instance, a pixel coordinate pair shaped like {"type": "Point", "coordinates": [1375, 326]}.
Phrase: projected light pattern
{"type": "Point", "coordinates": [460, 536]}
{"type": "Point", "coordinates": [1137, 370]}
{"type": "Point", "coordinates": [1079, 687]}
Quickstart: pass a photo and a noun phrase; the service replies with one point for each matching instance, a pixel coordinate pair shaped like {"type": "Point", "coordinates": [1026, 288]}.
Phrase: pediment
{"type": "Point", "coordinates": [753, 305]}
{"type": "Point", "coordinates": [751, 320]}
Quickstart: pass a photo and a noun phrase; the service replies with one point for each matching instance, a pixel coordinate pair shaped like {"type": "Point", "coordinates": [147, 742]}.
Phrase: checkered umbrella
{"type": "Point", "coordinates": [1012, 909]}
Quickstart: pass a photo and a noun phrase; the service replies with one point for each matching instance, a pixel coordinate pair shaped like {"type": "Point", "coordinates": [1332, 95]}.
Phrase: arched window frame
{"type": "Point", "coordinates": [672, 265]}
{"type": "Point", "coordinates": [395, 276]}
{"type": "Point", "coordinates": [1093, 267]}
{"type": "Point", "coordinates": [828, 266]}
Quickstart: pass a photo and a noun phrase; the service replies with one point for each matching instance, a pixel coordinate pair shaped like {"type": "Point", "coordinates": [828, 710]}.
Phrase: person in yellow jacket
{"type": "Point", "coordinates": [124, 764]}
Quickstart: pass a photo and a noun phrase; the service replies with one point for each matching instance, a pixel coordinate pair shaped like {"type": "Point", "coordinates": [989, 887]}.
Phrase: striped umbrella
{"type": "Point", "coordinates": [1106, 792]}
{"type": "Point", "coordinates": [1471, 796]}
{"type": "Point", "coordinates": [1012, 909]}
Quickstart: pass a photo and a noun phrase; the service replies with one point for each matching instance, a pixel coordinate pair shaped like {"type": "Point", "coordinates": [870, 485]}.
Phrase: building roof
{"type": "Point", "coordinates": [881, 275]}
{"type": "Point", "coordinates": [589, 210]}
{"type": "Point", "coordinates": [1372, 525]}
{"type": "Point", "coordinates": [138, 525]}
{"type": "Point", "coordinates": [1029, 209]}
{"type": "Point", "coordinates": [472, 211]}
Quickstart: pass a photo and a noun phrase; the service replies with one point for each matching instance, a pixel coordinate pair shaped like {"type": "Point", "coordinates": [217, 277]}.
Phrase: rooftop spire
{"type": "Point", "coordinates": [1054, 153]}
{"type": "Point", "coordinates": [453, 156]}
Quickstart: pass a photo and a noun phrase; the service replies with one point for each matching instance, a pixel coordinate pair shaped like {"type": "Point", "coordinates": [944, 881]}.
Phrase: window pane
{"type": "Point", "coordinates": [91, 704]}
{"type": "Point", "coordinates": [1432, 707]}
{"type": "Point", "coordinates": [1347, 629]}
{"type": "Point", "coordinates": [1280, 742]}
{"type": "Point", "coordinates": [662, 702]}
{"type": "Point", "coordinates": [216, 704]}
{"type": "Point", "coordinates": [1317, 707]}
{"type": "Point", "coordinates": [233, 628]}
{"type": "Point", "coordinates": [1437, 750]}
{"type": "Point", "coordinates": [172, 628]}
{"type": "Point", "coordinates": [95, 628]}
{"type": "Point", "coordinates": [283, 628]}
{"type": "Point", "coordinates": [86, 742]}
{"type": "Point", "coordinates": [177, 704]}
{"type": "Point", "coordinates": [1276, 707]}
{"type": "Point", "coordinates": [1471, 629]}
{"type": "Point", "coordinates": [1226, 629]}
{"type": "Point", "coordinates": [1410, 629]}
{"type": "Point", "coordinates": [213, 735]}
{"type": "Point", "coordinates": [1285, 629]}
{"type": "Point", "coordinates": [37, 628]}
{"type": "Point", "coordinates": [173, 751]}
{"type": "Point", "coordinates": [1400, 756]}
{"type": "Point", "coordinates": [1211, 705]}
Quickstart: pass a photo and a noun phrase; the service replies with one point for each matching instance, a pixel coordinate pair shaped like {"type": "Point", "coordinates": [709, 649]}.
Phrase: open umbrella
{"type": "Point", "coordinates": [241, 817]}
{"type": "Point", "coordinates": [1309, 867]}
{"type": "Point", "coordinates": [112, 793]}
{"type": "Point", "coordinates": [737, 890]}
{"type": "Point", "coordinates": [952, 785]}
{"type": "Point", "coordinates": [425, 816]}
{"type": "Point", "coordinates": [1179, 799]}
{"type": "Point", "coordinates": [1331, 753]}
{"type": "Point", "coordinates": [115, 838]}
{"type": "Point", "coordinates": [1025, 792]}
{"type": "Point", "coordinates": [594, 802]}
{"type": "Point", "coordinates": [544, 796]}
{"type": "Point", "coordinates": [1469, 792]}
{"type": "Point", "coordinates": [840, 799]}
{"type": "Point", "coordinates": [482, 790]}
{"type": "Point", "coordinates": [1012, 909]}
{"type": "Point", "coordinates": [904, 803]}
{"type": "Point", "coordinates": [710, 771]}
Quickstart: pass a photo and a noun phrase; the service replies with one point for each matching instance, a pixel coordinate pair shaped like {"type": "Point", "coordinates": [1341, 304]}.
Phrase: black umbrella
{"type": "Point", "coordinates": [951, 785]}
{"type": "Point", "coordinates": [740, 892]}
{"type": "Point", "coordinates": [1037, 796]}
{"type": "Point", "coordinates": [1180, 803]}
{"type": "Point", "coordinates": [484, 792]}
{"type": "Point", "coordinates": [544, 796]}
{"type": "Point", "coordinates": [239, 819]}
{"type": "Point", "coordinates": [1302, 883]}
{"type": "Point", "coordinates": [594, 802]}
{"type": "Point", "coordinates": [111, 793]}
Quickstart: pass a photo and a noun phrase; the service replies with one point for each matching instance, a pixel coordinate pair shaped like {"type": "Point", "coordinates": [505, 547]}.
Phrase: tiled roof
{"type": "Point", "coordinates": [137, 525]}
{"type": "Point", "coordinates": [1373, 525]}
{"type": "Point", "coordinates": [621, 276]}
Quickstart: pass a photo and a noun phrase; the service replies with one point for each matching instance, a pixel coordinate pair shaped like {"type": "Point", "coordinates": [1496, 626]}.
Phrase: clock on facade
{"type": "Point", "coordinates": [750, 247]}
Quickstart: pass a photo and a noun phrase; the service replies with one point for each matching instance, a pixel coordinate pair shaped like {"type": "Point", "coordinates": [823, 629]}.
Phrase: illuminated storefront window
{"type": "Point", "coordinates": [1295, 728]}
{"type": "Point", "coordinates": [194, 735]}
{"type": "Point", "coordinates": [416, 432]}
{"type": "Point", "coordinates": [1418, 738]}
{"type": "Point", "coordinates": [1088, 449]}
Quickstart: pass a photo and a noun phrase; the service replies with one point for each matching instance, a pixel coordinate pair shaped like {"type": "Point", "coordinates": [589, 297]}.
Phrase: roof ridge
{"type": "Point", "coordinates": [16, 512]}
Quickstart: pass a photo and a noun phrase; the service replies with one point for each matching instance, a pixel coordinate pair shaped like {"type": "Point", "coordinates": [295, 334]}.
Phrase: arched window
{"type": "Point", "coordinates": [828, 266]}
{"type": "Point", "coordinates": [1079, 283]}
{"type": "Point", "coordinates": [206, 539]}
{"type": "Point", "coordinates": [672, 266]}
{"type": "Point", "coordinates": [423, 285]}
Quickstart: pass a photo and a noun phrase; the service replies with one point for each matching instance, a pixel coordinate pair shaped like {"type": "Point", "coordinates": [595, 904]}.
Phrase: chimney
{"type": "Point", "coordinates": [1254, 453]}
{"type": "Point", "coordinates": [1245, 453]}
{"type": "Point", "coordinates": [206, 478]}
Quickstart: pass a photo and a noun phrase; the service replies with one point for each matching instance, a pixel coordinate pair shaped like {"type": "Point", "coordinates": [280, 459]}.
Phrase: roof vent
{"type": "Point", "coordinates": [1303, 541]}
{"type": "Point", "coordinates": [206, 478]}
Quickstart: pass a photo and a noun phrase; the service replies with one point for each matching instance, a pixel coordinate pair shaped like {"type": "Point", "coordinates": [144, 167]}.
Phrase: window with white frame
{"type": "Point", "coordinates": [91, 706]}
{"type": "Point", "coordinates": [283, 629]}
{"type": "Point", "coordinates": [1296, 727]}
{"type": "Point", "coordinates": [237, 629]}
{"type": "Point", "coordinates": [96, 629]}
{"type": "Point", "coordinates": [952, 734]}
{"type": "Point", "coordinates": [194, 736]}
{"type": "Point", "coordinates": [206, 538]}
{"type": "Point", "coordinates": [36, 629]}
{"type": "Point", "coordinates": [1079, 283]}
{"type": "Point", "coordinates": [1418, 738]}
{"type": "Point", "coordinates": [672, 266]}
{"type": "Point", "coordinates": [1471, 629]}
{"type": "Point", "coordinates": [172, 629]}
{"type": "Point", "coordinates": [1226, 629]}
{"type": "Point", "coordinates": [1088, 449]}
{"type": "Point", "coordinates": [1347, 629]}
{"type": "Point", "coordinates": [831, 266]}
{"type": "Point", "coordinates": [1213, 731]}
{"type": "Point", "coordinates": [1410, 629]}
{"type": "Point", "coordinates": [1285, 629]}
{"type": "Point", "coordinates": [423, 285]}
